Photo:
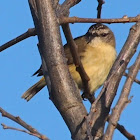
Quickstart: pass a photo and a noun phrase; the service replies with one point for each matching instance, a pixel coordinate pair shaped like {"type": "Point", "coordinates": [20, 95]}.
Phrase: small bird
{"type": "Point", "coordinates": [97, 53]}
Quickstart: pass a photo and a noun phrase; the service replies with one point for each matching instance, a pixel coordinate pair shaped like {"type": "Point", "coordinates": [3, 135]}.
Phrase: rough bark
{"type": "Point", "coordinates": [101, 107]}
{"type": "Point", "coordinates": [64, 93]}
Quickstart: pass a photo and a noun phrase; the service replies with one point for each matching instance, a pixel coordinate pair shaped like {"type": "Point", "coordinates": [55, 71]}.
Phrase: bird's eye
{"type": "Point", "coordinates": [104, 34]}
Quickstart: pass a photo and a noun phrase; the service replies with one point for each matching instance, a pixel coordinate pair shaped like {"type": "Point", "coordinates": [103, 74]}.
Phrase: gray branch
{"type": "Point", "coordinates": [101, 107]}
{"type": "Point", "coordinates": [64, 93]}
{"type": "Point", "coordinates": [123, 100]}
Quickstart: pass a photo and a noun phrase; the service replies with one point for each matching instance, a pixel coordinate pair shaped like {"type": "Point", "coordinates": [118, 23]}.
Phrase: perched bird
{"type": "Point", "coordinates": [97, 53]}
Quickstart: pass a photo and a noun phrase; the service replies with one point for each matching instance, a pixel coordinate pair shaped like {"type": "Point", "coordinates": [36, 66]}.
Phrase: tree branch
{"type": "Point", "coordinates": [70, 3]}
{"type": "Point", "coordinates": [31, 130]}
{"type": "Point", "coordinates": [99, 8]}
{"type": "Point", "coordinates": [30, 133]}
{"type": "Point", "coordinates": [128, 135]}
{"type": "Point", "coordinates": [122, 129]}
{"type": "Point", "coordinates": [123, 100]}
{"type": "Point", "coordinates": [78, 64]}
{"type": "Point", "coordinates": [66, 5]}
{"type": "Point", "coordinates": [101, 107]}
{"type": "Point", "coordinates": [30, 32]}
{"type": "Point", "coordinates": [64, 93]}
{"type": "Point", "coordinates": [63, 20]}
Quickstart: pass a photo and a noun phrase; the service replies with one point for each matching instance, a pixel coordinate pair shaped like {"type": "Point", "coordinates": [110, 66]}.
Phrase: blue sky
{"type": "Point", "coordinates": [19, 62]}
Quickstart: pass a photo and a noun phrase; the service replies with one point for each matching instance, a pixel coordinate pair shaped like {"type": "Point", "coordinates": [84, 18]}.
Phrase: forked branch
{"type": "Point", "coordinates": [31, 130]}
{"type": "Point", "coordinates": [101, 107]}
{"type": "Point", "coordinates": [123, 100]}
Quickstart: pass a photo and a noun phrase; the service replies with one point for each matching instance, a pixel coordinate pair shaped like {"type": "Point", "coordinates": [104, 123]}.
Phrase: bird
{"type": "Point", "coordinates": [97, 52]}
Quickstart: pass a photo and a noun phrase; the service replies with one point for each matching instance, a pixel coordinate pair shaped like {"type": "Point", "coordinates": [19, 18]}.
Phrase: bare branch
{"type": "Point", "coordinates": [128, 135]}
{"type": "Point", "coordinates": [125, 19]}
{"type": "Point", "coordinates": [123, 100]}
{"type": "Point", "coordinates": [70, 3]}
{"type": "Point", "coordinates": [78, 64]}
{"type": "Point", "coordinates": [99, 8]}
{"type": "Point", "coordinates": [22, 123]}
{"type": "Point", "coordinates": [64, 93]}
{"type": "Point", "coordinates": [62, 20]}
{"type": "Point", "coordinates": [66, 5]}
{"type": "Point", "coordinates": [122, 129]}
{"type": "Point", "coordinates": [101, 107]}
{"type": "Point", "coordinates": [30, 32]}
{"type": "Point", "coordinates": [21, 130]}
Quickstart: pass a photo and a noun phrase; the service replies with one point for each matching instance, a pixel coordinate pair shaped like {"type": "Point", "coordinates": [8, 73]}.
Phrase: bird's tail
{"type": "Point", "coordinates": [32, 91]}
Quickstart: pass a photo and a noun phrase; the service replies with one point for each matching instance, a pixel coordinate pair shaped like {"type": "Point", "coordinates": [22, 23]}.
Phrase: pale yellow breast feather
{"type": "Point", "coordinates": [98, 60]}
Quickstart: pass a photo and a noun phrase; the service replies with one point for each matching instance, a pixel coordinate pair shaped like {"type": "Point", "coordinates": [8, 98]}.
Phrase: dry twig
{"type": "Point", "coordinates": [30, 32]}
{"type": "Point", "coordinates": [128, 135]}
{"type": "Point", "coordinates": [31, 130]}
{"type": "Point", "coordinates": [124, 19]}
{"type": "Point", "coordinates": [99, 8]}
{"type": "Point", "coordinates": [21, 130]}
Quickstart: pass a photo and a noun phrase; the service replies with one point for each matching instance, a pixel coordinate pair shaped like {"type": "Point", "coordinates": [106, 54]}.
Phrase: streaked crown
{"type": "Point", "coordinates": [102, 31]}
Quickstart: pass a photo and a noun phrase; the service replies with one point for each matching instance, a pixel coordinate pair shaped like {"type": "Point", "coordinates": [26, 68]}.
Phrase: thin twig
{"type": "Point", "coordinates": [21, 130]}
{"type": "Point", "coordinates": [78, 64]}
{"type": "Point", "coordinates": [99, 8]}
{"type": "Point", "coordinates": [63, 20]}
{"type": "Point", "coordinates": [123, 100]}
{"type": "Point", "coordinates": [22, 123]}
{"type": "Point", "coordinates": [128, 135]}
{"type": "Point", "coordinates": [30, 32]}
{"type": "Point", "coordinates": [123, 130]}
{"type": "Point", "coordinates": [124, 19]}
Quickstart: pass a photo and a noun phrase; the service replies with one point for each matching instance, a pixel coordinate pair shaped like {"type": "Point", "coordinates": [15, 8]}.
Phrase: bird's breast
{"type": "Point", "coordinates": [97, 60]}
